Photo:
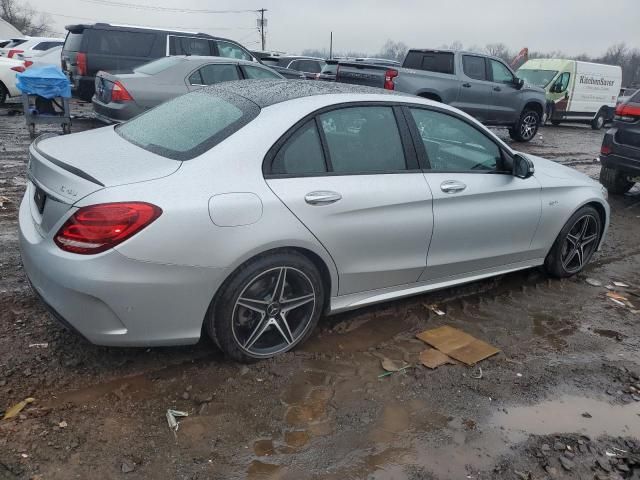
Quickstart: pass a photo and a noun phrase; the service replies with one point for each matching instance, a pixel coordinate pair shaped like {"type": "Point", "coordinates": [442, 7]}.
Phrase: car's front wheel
{"type": "Point", "coordinates": [576, 243]}
{"type": "Point", "coordinates": [268, 306]}
{"type": "Point", "coordinates": [526, 127]}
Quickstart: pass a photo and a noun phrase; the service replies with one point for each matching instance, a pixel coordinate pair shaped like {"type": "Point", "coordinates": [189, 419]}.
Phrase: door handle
{"type": "Point", "coordinates": [466, 85]}
{"type": "Point", "coordinates": [497, 89]}
{"type": "Point", "coordinates": [322, 198]}
{"type": "Point", "coordinates": [452, 186]}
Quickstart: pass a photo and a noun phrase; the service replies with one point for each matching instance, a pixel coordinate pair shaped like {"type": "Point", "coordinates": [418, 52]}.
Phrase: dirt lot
{"type": "Point", "coordinates": [562, 399]}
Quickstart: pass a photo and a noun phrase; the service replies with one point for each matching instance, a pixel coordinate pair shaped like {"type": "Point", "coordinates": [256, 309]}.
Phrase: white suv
{"type": "Point", "coordinates": [29, 45]}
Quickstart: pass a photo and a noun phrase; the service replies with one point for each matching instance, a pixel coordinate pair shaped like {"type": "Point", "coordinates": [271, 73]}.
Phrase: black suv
{"type": "Point", "coordinates": [90, 48]}
{"type": "Point", "coordinates": [620, 152]}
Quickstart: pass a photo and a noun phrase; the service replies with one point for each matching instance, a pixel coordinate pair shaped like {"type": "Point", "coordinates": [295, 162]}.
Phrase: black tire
{"type": "Point", "coordinates": [66, 129]}
{"type": "Point", "coordinates": [561, 250]}
{"type": "Point", "coordinates": [4, 94]}
{"type": "Point", "coordinates": [229, 323]}
{"type": "Point", "coordinates": [615, 181]}
{"type": "Point", "coordinates": [598, 122]}
{"type": "Point", "coordinates": [555, 123]}
{"type": "Point", "coordinates": [526, 127]}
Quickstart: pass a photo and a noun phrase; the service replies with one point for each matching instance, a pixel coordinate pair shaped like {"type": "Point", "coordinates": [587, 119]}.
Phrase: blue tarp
{"type": "Point", "coordinates": [47, 81]}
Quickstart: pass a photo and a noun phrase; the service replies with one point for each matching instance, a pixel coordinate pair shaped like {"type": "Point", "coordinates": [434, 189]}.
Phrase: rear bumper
{"type": "Point", "coordinates": [115, 112]}
{"type": "Point", "coordinates": [114, 300]}
{"type": "Point", "coordinates": [622, 157]}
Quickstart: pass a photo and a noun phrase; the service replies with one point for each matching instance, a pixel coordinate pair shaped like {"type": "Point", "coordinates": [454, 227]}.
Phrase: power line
{"type": "Point", "coordinates": [155, 8]}
{"type": "Point", "coordinates": [154, 26]}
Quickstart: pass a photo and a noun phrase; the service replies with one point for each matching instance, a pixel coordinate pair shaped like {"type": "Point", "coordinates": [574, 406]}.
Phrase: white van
{"type": "Point", "coordinates": [577, 91]}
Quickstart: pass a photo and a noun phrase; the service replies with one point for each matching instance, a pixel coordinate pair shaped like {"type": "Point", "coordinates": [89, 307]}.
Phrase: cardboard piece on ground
{"type": "Point", "coordinates": [458, 345]}
{"type": "Point", "coordinates": [432, 358]}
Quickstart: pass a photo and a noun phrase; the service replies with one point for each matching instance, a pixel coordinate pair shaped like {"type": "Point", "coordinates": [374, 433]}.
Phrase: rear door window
{"type": "Point", "coordinates": [439, 62]}
{"type": "Point", "coordinates": [46, 45]}
{"type": "Point", "coordinates": [302, 154]}
{"type": "Point", "coordinates": [190, 46]}
{"type": "Point", "coordinates": [474, 67]}
{"type": "Point", "coordinates": [121, 43]}
{"type": "Point", "coordinates": [256, 72]}
{"type": "Point", "coordinates": [363, 140]}
{"type": "Point", "coordinates": [218, 73]}
{"type": "Point", "coordinates": [231, 50]}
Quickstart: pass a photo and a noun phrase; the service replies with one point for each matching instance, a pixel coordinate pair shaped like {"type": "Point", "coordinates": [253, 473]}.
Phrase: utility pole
{"type": "Point", "coordinates": [331, 46]}
{"type": "Point", "coordinates": [262, 23]}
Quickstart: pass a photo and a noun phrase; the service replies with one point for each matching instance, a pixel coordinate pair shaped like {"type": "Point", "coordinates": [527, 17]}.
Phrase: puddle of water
{"type": "Point", "coordinates": [296, 439]}
{"type": "Point", "coordinates": [358, 334]}
{"type": "Point", "coordinates": [264, 471]}
{"type": "Point", "coordinates": [603, 332]}
{"type": "Point", "coordinates": [263, 448]}
{"type": "Point", "coordinates": [565, 416]}
{"type": "Point", "coordinates": [552, 329]}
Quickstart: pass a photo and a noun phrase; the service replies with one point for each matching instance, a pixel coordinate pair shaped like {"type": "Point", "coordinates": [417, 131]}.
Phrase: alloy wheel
{"type": "Point", "coordinates": [528, 127]}
{"type": "Point", "coordinates": [274, 311]}
{"type": "Point", "coordinates": [580, 243]}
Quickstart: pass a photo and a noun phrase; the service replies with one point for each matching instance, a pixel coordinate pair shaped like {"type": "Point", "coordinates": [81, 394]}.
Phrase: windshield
{"type": "Point", "coordinates": [159, 65]}
{"type": "Point", "coordinates": [188, 126]}
{"type": "Point", "coordinates": [539, 78]}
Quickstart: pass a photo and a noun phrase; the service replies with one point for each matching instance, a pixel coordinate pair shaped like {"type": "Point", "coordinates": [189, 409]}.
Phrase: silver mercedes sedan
{"type": "Point", "coordinates": [247, 210]}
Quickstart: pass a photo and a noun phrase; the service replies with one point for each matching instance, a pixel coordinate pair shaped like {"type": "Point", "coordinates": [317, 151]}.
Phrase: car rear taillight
{"type": "Point", "coordinates": [628, 113]}
{"type": "Point", "coordinates": [27, 63]}
{"type": "Point", "coordinates": [13, 52]}
{"type": "Point", "coordinates": [389, 75]}
{"type": "Point", "coordinates": [18, 68]}
{"type": "Point", "coordinates": [81, 63]}
{"type": "Point", "coordinates": [120, 94]}
{"type": "Point", "coordinates": [97, 228]}
{"type": "Point", "coordinates": [605, 149]}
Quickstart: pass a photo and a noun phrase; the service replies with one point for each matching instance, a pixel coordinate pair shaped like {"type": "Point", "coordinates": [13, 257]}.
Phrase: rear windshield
{"type": "Point", "coordinates": [121, 43]}
{"type": "Point", "coordinates": [159, 65]}
{"type": "Point", "coordinates": [635, 98]}
{"type": "Point", "coordinates": [539, 78]}
{"type": "Point", "coordinates": [440, 62]}
{"type": "Point", "coordinates": [73, 41]}
{"type": "Point", "coordinates": [188, 126]}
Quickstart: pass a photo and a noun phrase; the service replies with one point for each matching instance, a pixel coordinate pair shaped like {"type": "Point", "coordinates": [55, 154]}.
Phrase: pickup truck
{"type": "Point", "coordinates": [483, 86]}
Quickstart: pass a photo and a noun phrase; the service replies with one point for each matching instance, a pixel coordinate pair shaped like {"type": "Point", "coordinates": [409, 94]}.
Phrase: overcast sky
{"type": "Point", "coordinates": [573, 26]}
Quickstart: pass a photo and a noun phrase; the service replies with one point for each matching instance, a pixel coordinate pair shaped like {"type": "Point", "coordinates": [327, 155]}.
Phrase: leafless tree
{"type": "Point", "coordinates": [499, 50]}
{"type": "Point", "coordinates": [22, 16]}
{"type": "Point", "coordinates": [393, 50]}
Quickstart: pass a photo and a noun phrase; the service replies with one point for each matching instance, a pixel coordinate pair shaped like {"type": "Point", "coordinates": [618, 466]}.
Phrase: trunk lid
{"type": "Point", "coordinates": [361, 74]}
{"type": "Point", "coordinates": [64, 169]}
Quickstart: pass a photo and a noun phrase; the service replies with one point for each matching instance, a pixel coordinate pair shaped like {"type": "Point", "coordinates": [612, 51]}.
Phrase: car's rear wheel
{"type": "Point", "coordinates": [268, 306]}
{"type": "Point", "coordinates": [615, 181]}
{"type": "Point", "coordinates": [526, 127]}
{"type": "Point", "coordinates": [576, 243]}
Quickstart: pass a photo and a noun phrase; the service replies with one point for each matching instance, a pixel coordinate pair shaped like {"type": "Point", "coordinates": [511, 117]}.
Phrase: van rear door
{"type": "Point", "coordinates": [595, 86]}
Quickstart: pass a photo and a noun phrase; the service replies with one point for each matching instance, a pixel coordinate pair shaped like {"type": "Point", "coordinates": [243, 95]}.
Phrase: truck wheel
{"type": "Point", "coordinates": [598, 122]}
{"type": "Point", "coordinates": [555, 123]}
{"type": "Point", "coordinates": [614, 181]}
{"type": "Point", "coordinates": [526, 127]}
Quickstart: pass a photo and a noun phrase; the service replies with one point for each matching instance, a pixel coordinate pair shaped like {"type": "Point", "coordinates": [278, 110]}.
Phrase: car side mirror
{"type": "Point", "coordinates": [519, 83]}
{"type": "Point", "coordinates": [557, 88]}
{"type": "Point", "coordinates": [522, 166]}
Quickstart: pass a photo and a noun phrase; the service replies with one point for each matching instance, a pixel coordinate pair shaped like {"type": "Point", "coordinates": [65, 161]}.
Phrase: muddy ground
{"type": "Point", "coordinates": [561, 400]}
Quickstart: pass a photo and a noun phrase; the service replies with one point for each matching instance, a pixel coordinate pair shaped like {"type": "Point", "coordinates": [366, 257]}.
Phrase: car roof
{"type": "Point", "coordinates": [121, 26]}
{"type": "Point", "coordinates": [265, 93]}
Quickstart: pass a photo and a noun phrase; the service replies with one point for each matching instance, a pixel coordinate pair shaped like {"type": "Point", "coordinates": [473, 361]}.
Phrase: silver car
{"type": "Point", "coordinates": [120, 97]}
{"type": "Point", "coordinates": [249, 209]}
